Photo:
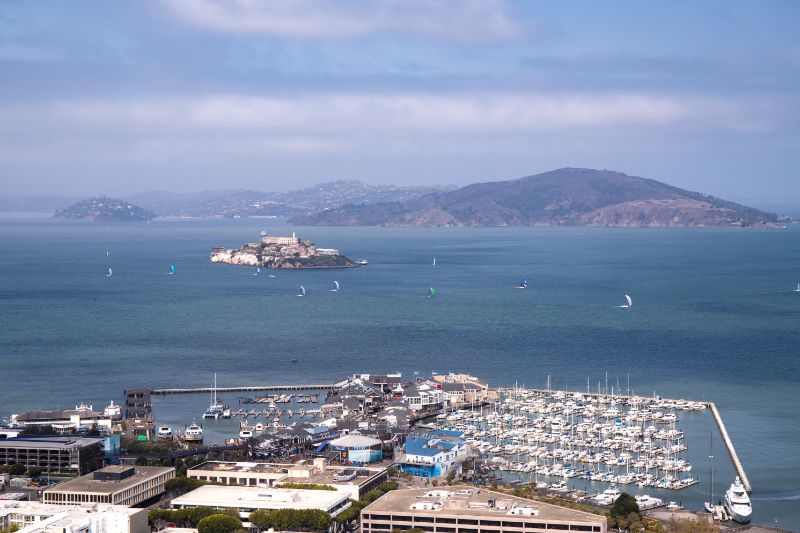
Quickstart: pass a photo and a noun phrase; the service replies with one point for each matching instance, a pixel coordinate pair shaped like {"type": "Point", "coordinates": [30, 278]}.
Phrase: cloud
{"type": "Point", "coordinates": [466, 20]}
{"type": "Point", "coordinates": [354, 122]}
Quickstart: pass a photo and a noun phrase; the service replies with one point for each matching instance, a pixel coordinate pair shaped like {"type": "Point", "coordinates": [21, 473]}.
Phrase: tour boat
{"type": "Point", "coordinates": [193, 433]}
{"type": "Point", "coordinates": [164, 432]}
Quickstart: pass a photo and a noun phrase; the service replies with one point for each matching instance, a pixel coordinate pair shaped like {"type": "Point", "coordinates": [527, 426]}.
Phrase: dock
{"type": "Point", "coordinates": [246, 388]}
{"type": "Point", "coordinates": [731, 450]}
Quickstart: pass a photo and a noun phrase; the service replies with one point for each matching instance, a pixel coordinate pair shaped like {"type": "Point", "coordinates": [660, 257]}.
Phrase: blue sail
{"type": "Point", "coordinates": [172, 269]}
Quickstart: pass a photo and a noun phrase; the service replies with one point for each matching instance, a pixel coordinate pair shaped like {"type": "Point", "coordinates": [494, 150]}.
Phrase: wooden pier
{"type": "Point", "coordinates": [729, 444]}
{"type": "Point", "coordinates": [249, 388]}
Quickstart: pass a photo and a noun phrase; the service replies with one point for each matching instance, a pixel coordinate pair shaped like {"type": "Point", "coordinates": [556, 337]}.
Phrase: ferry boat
{"type": "Point", "coordinates": [737, 502]}
{"type": "Point", "coordinates": [164, 432]}
{"type": "Point", "coordinates": [193, 434]}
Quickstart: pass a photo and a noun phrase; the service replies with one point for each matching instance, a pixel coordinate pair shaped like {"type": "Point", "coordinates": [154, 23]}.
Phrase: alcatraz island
{"type": "Point", "coordinates": [282, 253]}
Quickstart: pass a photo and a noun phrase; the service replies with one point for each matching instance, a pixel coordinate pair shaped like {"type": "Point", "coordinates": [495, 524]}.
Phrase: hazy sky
{"type": "Point", "coordinates": [119, 97]}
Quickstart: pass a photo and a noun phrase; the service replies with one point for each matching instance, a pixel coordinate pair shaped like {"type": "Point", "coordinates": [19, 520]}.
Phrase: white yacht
{"type": "Point", "coordinates": [193, 433]}
{"type": "Point", "coordinates": [164, 432]}
{"type": "Point", "coordinates": [608, 496]}
{"type": "Point", "coordinates": [113, 411]}
{"type": "Point", "coordinates": [737, 502]}
{"type": "Point", "coordinates": [245, 434]}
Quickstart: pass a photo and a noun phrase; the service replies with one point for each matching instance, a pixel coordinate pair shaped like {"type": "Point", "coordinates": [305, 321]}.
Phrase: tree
{"type": "Point", "coordinates": [261, 519]}
{"type": "Point", "coordinates": [34, 472]}
{"type": "Point", "coordinates": [141, 461]}
{"type": "Point", "coordinates": [17, 469]}
{"type": "Point", "coordinates": [218, 523]}
{"type": "Point", "coordinates": [623, 508]}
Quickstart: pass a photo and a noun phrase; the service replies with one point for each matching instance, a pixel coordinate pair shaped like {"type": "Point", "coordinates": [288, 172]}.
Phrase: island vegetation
{"type": "Point", "coordinates": [104, 209]}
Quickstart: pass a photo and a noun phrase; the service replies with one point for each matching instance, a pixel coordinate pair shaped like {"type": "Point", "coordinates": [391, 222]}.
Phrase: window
{"type": "Point", "coordinates": [490, 523]}
{"type": "Point", "coordinates": [445, 521]}
{"type": "Point", "coordinates": [581, 528]}
{"type": "Point", "coordinates": [423, 519]}
{"type": "Point", "coordinates": [381, 517]}
{"type": "Point", "coordinates": [446, 529]}
{"type": "Point", "coordinates": [558, 526]}
{"type": "Point", "coordinates": [469, 521]}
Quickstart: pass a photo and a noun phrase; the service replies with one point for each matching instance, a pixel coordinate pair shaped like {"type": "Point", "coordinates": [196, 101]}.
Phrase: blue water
{"type": "Point", "coordinates": [714, 318]}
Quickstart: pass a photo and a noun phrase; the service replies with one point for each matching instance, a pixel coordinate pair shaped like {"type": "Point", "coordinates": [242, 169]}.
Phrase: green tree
{"type": "Point", "coordinates": [17, 469]}
{"type": "Point", "coordinates": [141, 461]}
{"type": "Point", "coordinates": [260, 519]}
{"type": "Point", "coordinates": [34, 472]}
{"type": "Point", "coordinates": [623, 508]}
{"type": "Point", "coordinates": [218, 523]}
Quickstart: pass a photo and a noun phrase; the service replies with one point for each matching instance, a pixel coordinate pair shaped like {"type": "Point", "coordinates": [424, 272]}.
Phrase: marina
{"type": "Point", "coordinates": [250, 388]}
{"type": "Point", "coordinates": [547, 437]}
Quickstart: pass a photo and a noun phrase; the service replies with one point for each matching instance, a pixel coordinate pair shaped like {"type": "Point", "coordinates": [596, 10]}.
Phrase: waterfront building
{"type": "Point", "coordinates": [57, 455]}
{"type": "Point", "coordinates": [83, 417]}
{"type": "Point", "coordinates": [471, 510]}
{"type": "Point", "coordinates": [35, 517]}
{"type": "Point", "coordinates": [116, 485]}
{"type": "Point", "coordinates": [358, 449]}
{"type": "Point", "coordinates": [248, 499]}
{"type": "Point", "coordinates": [138, 414]}
{"type": "Point", "coordinates": [433, 455]}
{"type": "Point", "coordinates": [356, 481]}
{"type": "Point", "coordinates": [424, 397]}
{"type": "Point", "coordinates": [465, 389]}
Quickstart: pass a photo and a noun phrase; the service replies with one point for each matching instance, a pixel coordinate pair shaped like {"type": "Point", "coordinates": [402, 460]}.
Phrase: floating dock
{"type": "Point", "coordinates": [731, 450]}
{"type": "Point", "coordinates": [249, 388]}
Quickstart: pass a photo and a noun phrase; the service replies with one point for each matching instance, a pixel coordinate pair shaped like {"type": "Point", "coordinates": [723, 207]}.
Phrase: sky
{"type": "Point", "coordinates": [120, 97]}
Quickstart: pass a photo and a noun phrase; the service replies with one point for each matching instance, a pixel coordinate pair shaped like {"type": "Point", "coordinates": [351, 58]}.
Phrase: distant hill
{"type": "Point", "coordinates": [563, 197]}
{"type": "Point", "coordinates": [246, 203]}
{"type": "Point", "coordinates": [103, 209]}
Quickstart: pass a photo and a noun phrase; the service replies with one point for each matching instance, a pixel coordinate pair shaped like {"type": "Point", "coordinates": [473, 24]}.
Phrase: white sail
{"type": "Point", "coordinates": [335, 286]}
{"type": "Point", "coordinates": [302, 291]}
{"type": "Point", "coordinates": [110, 273]}
{"type": "Point", "coordinates": [434, 261]}
{"type": "Point", "coordinates": [630, 302]}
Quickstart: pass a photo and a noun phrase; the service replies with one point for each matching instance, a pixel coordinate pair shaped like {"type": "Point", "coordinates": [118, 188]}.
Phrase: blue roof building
{"type": "Point", "coordinates": [433, 455]}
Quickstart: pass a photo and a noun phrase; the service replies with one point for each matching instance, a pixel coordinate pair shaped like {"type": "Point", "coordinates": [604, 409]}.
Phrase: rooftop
{"type": "Point", "coordinates": [355, 441]}
{"type": "Point", "coordinates": [55, 443]}
{"type": "Point", "coordinates": [260, 498]}
{"type": "Point", "coordinates": [474, 502]}
{"type": "Point", "coordinates": [89, 484]}
{"type": "Point", "coordinates": [328, 476]}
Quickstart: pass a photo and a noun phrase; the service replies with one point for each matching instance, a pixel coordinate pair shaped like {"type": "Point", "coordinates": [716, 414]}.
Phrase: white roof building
{"type": "Point", "coordinates": [35, 517]}
{"type": "Point", "coordinates": [247, 499]}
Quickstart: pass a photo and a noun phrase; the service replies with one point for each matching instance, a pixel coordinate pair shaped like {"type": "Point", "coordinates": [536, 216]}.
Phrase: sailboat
{"type": "Point", "coordinates": [798, 288]}
{"type": "Point", "coordinates": [709, 505]}
{"type": "Point", "coordinates": [523, 284]}
{"type": "Point", "coordinates": [431, 292]}
{"type": "Point", "coordinates": [434, 261]}
{"type": "Point", "coordinates": [302, 291]}
{"type": "Point", "coordinates": [171, 270]}
{"type": "Point", "coordinates": [214, 410]}
{"type": "Point", "coordinates": [110, 273]}
{"type": "Point", "coordinates": [257, 272]}
{"type": "Point", "coordinates": [335, 286]}
{"type": "Point", "coordinates": [629, 304]}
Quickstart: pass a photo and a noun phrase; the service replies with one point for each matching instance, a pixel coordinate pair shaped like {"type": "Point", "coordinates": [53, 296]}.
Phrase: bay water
{"type": "Point", "coordinates": [714, 318]}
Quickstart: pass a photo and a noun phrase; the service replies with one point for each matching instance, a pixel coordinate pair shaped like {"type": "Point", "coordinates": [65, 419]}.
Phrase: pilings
{"type": "Point", "coordinates": [735, 458]}
{"type": "Point", "coordinates": [253, 388]}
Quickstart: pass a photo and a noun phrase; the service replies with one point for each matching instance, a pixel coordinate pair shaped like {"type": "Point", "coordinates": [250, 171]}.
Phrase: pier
{"type": "Point", "coordinates": [248, 388]}
{"type": "Point", "coordinates": [731, 450]}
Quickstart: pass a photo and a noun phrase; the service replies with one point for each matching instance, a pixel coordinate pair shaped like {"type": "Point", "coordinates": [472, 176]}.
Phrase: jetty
{"type": "Point", "coordinates": [731, 450]}
{"type": "Point", "coordinates": [246, 388]}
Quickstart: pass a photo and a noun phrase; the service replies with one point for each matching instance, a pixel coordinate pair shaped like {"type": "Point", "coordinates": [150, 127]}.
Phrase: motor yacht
{"type": "Point", "coordinates": [164, 432]}
{"type": "Point", "coordinates": [737, 502]}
